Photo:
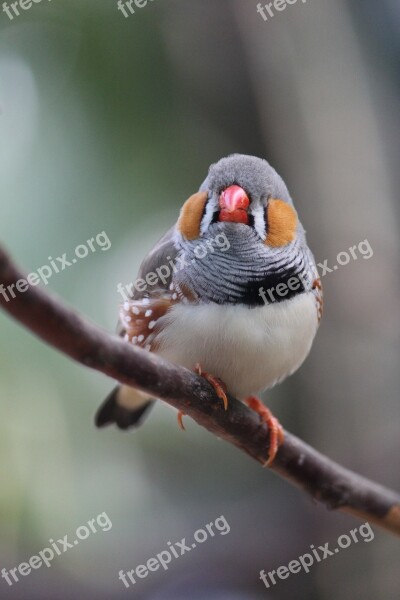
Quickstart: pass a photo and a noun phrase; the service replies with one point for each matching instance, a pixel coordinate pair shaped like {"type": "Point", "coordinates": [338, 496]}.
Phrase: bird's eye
{"type": "Point", "coordinates": [265, 200]}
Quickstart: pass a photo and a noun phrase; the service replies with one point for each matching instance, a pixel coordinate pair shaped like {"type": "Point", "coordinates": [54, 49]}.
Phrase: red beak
{"type": "Point", "coordinates": [233, 203]}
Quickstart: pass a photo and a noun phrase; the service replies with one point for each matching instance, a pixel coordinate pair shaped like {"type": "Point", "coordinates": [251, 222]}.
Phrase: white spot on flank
{"type": "Point", "coordinates": [126, 305]}
{"type": "Point", "coordinates": [140, 338]}
{"type": "Point", "coordinates": [135, 310]}
{"type": "Point", "coordinates": [148, 313]}
{"type": "Point", "coordinates": [174, 296]}
{"type": "Point", "coordinates": [145, 301]}
{"type": "Point", "coordinates": [128, 319]}
{"type": "Point", "coordinates": [152, 324]}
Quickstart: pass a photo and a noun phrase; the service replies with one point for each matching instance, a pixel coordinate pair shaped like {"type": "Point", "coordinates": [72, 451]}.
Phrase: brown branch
{"type": "Point", "coordinates": [93, 347]}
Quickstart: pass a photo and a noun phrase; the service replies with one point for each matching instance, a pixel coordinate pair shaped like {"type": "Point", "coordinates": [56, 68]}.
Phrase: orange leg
{"type": "Point", "coordinates": [218, 385]}
{"type": "Point", "coordinates": [276, 436]}
{"type": "Point", "coordinates": [180, 419]}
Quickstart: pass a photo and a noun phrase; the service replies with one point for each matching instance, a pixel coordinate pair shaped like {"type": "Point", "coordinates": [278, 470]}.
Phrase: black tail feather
{"type": "Point", "coordinates": [110, 412]}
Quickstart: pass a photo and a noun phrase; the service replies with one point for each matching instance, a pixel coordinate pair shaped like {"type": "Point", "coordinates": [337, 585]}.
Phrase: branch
{"type": "Point", "coordinates": [323, 479]}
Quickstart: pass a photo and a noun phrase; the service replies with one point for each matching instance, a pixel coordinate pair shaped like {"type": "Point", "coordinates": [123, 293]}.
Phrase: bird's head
{"type": "Point", "coordinates": [241, 192]}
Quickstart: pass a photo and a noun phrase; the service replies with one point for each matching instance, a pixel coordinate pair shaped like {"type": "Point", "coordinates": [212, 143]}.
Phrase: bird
{"type": "Point", "coordinates": [231, 291]}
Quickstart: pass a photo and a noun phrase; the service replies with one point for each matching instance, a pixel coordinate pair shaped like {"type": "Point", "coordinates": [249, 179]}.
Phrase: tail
{"type": "Point", "coordinates": [124, 406]}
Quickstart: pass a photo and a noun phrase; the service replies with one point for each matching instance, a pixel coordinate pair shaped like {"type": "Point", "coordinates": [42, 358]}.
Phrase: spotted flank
{"type": "Point", "coordinates": [141, 319]}
{"type": "Point", "coordinates": [319, 297]}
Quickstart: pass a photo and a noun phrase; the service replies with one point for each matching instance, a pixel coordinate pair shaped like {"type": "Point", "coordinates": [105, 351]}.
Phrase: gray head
{"type": "Point", "coordinates": [244, 200]}
{"type": "Point", "coordinates": [239, 189]}
{"type": "Point", "coordinates": [254, 175]}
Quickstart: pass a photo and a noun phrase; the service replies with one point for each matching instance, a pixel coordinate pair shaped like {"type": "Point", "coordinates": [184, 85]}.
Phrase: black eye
{"type": "Point", "coordinates": [215, 217]}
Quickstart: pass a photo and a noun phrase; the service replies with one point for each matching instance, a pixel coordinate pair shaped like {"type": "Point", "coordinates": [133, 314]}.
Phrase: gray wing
{"type": "Point", "coordinates": [159, 256]}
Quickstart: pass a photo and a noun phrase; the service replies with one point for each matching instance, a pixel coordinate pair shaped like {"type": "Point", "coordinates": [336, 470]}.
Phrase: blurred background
{"type": "Point", "coordinates": [108, 124]}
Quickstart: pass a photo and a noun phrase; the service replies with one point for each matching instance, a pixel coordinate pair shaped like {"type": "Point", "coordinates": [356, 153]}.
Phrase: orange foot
{"type": "Point", "coordinates": [180, 421]}
{"type": "Point", "coordinates": [276, 435]}
{"type": "Point", "coordinates": [217, 384]}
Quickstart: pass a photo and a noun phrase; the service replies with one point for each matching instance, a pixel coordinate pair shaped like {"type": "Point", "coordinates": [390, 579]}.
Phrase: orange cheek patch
{"type": "Point", "coordinates": [190, 217]}
{"type": "Point", "coordinates": [282, 223]}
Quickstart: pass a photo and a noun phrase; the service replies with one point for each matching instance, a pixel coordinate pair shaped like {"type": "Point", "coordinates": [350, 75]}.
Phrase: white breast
{"type": "Point", "coordinates": [250, 349]}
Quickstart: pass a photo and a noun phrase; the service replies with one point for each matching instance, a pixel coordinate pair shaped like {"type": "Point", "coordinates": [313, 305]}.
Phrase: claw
{"type": "Point", "coordinates": [218, 385]}
{"type": "Point", "coordinates": [276, 435]}
{"type": "Point", "coordinates": [180, 420]}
